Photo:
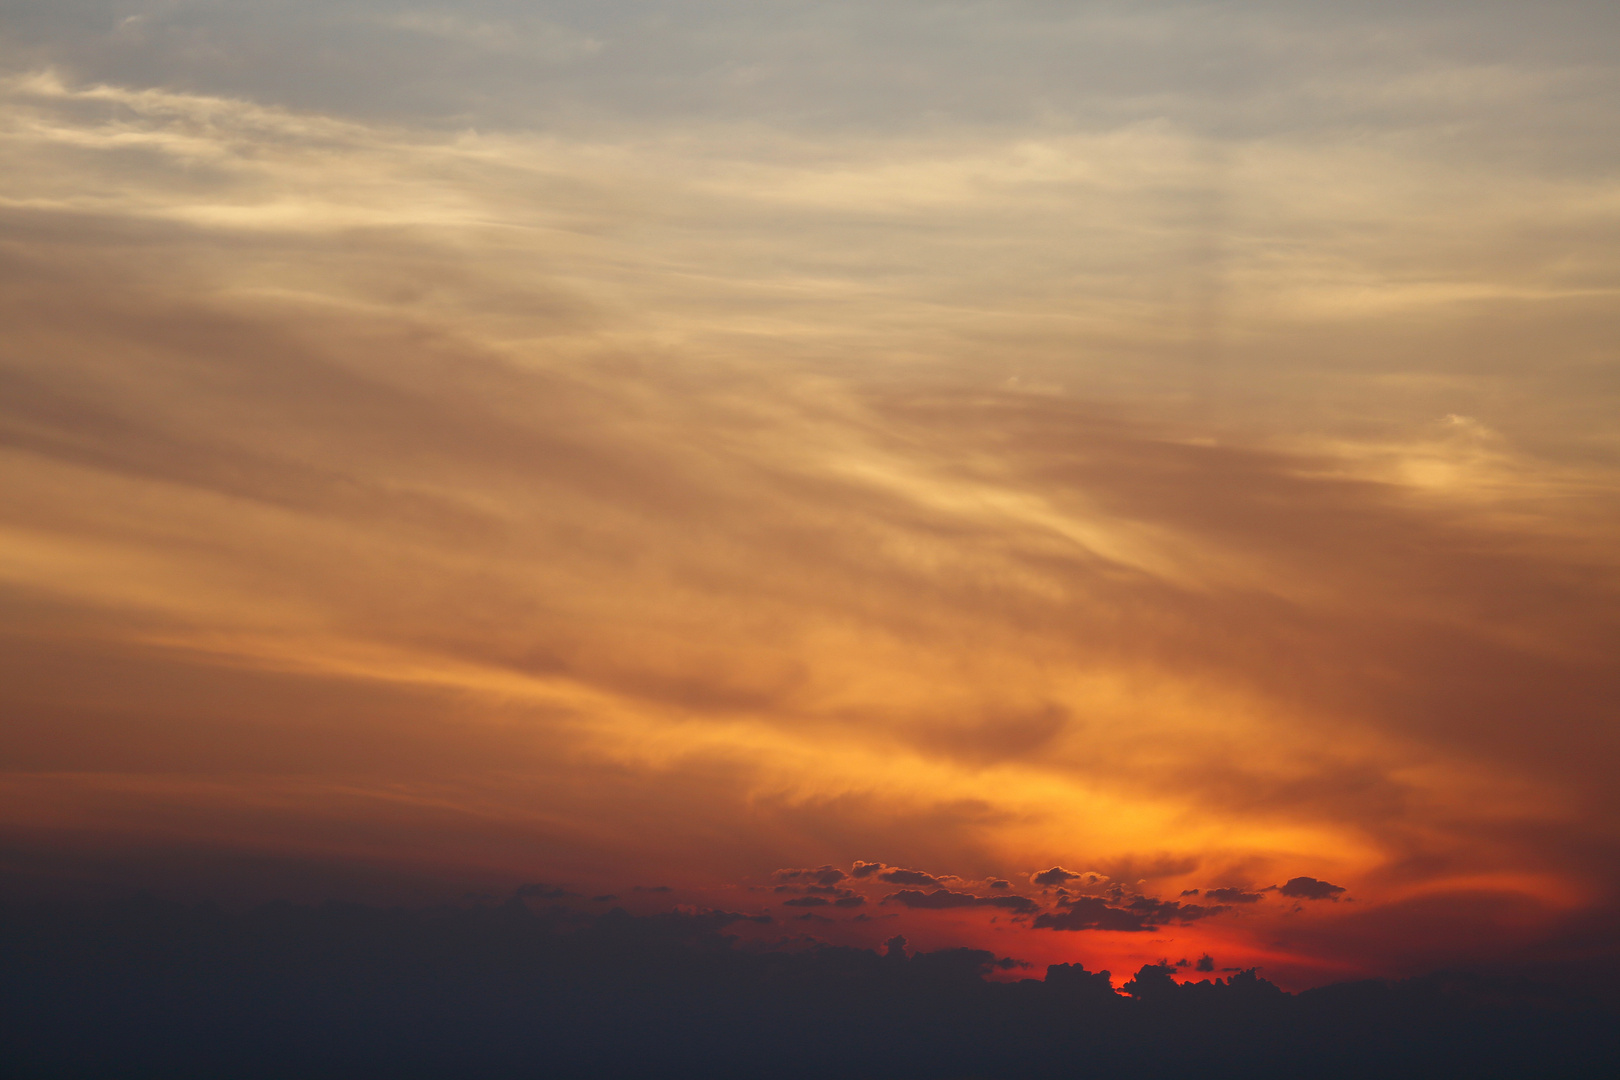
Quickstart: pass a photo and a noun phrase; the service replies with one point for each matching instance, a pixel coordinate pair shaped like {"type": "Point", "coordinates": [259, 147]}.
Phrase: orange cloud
{"type": "Point", "coordinates": [365, 510]}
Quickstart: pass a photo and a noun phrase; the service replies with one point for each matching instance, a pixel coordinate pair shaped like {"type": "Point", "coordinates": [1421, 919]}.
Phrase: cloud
{"type": "Point", "coordinates": [573, 495]}
{"type": "Point", "coordinates": [908, 877]}
{"type": "Point", "coordinates": [1162, 911]}
{"type": "Point", "coordinates": [1308, 888]}
{"type": "Point", "coordinates": [1228, 896]}
{"type": "Point", "coordinates": [522, 987]}
{"type": "Point", "coordinates": [1092, 913]}
{"type": "Point", "coordinates": [1059, 876]}
{"type": "Point", "coordinates": [820, 876]}
{"type": "Point", "coordinates": [941, 899]}
{"type": "Point", "coordinates": [1137, 914]}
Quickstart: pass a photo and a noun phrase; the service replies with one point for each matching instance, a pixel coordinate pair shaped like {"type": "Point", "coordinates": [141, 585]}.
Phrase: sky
{"type": "Point", "coordinates": [1101, 482]}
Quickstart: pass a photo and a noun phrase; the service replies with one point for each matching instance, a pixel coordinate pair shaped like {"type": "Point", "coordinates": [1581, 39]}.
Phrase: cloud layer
{"type": "Point", "coordinates": [617, 480]}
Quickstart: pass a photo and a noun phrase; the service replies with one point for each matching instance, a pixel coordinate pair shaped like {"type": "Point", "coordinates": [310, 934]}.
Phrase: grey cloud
{"type": "Point", "coordinates": [1092, 913]}
{"type": "Point", "coordinates": [943, 899]}
{"type": "Point", "coordinates": [1141, 913]}
{"type": "Point", "coordinates": [899, 876]}
{"type": "Point", "coordinates": [1242, 69]}
{"type": "Point", "coordinates": [1229, 896]}
{"type": "Point", "coordinates": [1164, 911]}
{"type": "Point", "coordinates": [1308, 888]}
{"type": "Point", "coordinates": [1055, 876]}
{"type": "Point", "coordinates": [819, 876]}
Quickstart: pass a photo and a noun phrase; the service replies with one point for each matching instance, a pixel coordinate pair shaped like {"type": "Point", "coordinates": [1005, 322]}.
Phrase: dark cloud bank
{"type": "Point", "coordinates": [526, 988]}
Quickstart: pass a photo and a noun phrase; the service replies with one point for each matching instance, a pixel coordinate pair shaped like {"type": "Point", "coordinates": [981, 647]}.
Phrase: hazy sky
{"type": "Point", "coordinates": [634, 444]}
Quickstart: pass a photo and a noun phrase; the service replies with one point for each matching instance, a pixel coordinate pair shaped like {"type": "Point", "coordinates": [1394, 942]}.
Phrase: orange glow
{"type": "Point", "coordinates": [666, 505]}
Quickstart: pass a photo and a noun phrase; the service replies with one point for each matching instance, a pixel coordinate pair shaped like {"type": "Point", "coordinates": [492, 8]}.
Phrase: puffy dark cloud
{"type": "Point", "coordinates": [944, 898]}
{"type": "Point", "coordinates": [1137, 913]}
{"type": "Point", "coordinates": [1092, 913]}
{"type": "Point", "coordinates": [807, 901]}
{"type": "Point", "coordinates": [1057, 876]}
{"type": "Point", "coordinates": [1163, 911]}
{"type": "Point", "coordinates": [908, 877]}
{"type": "Point", "coordinates": [1228, 896]}
{"type": "Point", "coordinates": [1308, 888]}
{"type": "Point", "coordinates": [821, 875]}
{"type": "Point", "coordinates": [865, 869]}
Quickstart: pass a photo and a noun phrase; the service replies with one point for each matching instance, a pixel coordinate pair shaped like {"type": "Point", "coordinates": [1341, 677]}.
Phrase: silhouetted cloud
{"type": "Point", "coordinates": [944, 898]}
{"type": "Point", "coordinates": [1092, 913]}
{"type": "Point", "coordinates": [1162, 911]}
{"type": "Point", "coordinates": [1229, 896]}
{"type": "Point", "coordinates": [1058, 877]}
{"type": "Point", "coordinates": [821, 875]}
{"type": "Point", "coordinates": [1119, 913]}
{"type": "Point", "coordinates": [1308, 888]}
{"type": "Point", "coordinates": [123, 989]}
{"type": "Point", "coordinates": [908, 877]}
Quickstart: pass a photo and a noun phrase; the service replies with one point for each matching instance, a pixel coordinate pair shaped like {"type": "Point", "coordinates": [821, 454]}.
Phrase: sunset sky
{"type": "Point", "coordinates": [825, 460]}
